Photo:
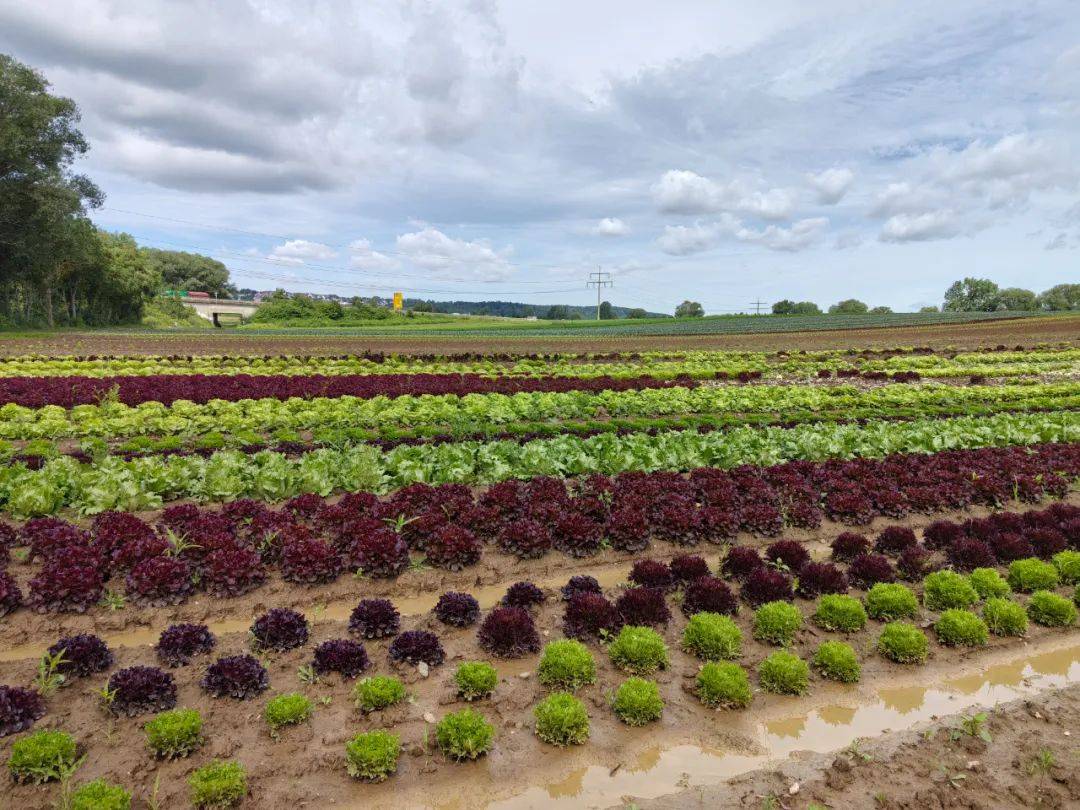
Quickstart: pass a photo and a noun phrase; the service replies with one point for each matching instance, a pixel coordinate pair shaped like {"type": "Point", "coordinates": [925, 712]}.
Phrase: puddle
{"type": "Point", "coordinates": [660, 770]}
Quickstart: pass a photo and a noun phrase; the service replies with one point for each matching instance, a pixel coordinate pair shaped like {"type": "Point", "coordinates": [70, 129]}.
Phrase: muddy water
{"type": "Point", "coordinates": [660, 770]}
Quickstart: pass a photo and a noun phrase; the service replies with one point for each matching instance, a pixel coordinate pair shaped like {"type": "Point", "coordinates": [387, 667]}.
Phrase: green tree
{"type": "Point", "coordinates": [1017, 299]}
{"type": "Point", "coordinates": [1060, 298]}
{"type": "Point", "coordinates": [929, 309]}
{"type": "Point", "coordinates": [190, 271]}
{"type": "Point", "coordinates": [972, 295]}
{"type": "Point", "coordinates": [557, 312]}
{"type": "Point", "coordinates": [806, 308]}
{"type": "Point", "coordinates": [881, 311]}
{"type": "Point", "coordinates": [784, 307]}
{"type": "Point", "coordinates": [606, 312]}
{"type": "Point", "coordinates": [689, 309]}
{"type": "Point", "coordinates": [849, 306]}
{"type": "Point", "coordinates": [637, 312]}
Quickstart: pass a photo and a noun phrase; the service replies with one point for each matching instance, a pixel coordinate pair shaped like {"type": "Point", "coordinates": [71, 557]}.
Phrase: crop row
{"type": "Point", "coordinates": [311, 540]}
{"type": "Point", "coordinates": [326, 417]}
{"type": "Point", "coordinates": [145, 483]}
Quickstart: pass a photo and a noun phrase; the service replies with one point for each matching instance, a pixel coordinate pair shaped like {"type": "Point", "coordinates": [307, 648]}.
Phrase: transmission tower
{"type": "Point", "coordinates": [599, 279]}
{"type": "Point", "coordinates": [757, 305]}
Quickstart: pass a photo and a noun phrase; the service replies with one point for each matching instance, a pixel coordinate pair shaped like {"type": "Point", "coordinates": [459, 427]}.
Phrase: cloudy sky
{"type": "Point", "coordinates": [703, 149]}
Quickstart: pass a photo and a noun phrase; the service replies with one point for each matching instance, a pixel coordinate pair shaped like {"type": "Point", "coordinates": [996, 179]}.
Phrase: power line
{"type": "Point", "coordinates": [599, 279]}
{"type": "Point", "coordinates": [757, 305]}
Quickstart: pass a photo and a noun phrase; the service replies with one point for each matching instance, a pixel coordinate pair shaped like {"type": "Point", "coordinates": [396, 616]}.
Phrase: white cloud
{"type": "Point", "coordinates": [683, 240]}
{"type": "Point", "coordinates": [799, 236]}
{"type": "Point", "coordinates": [433, 250]}
{"type": "Point", "coordinates": [1057, 243]}
{"type": "Point", "coordinates": [925, 227]}
{"type": "Point", "coordinates": [685, 192]}
{"type": "Point", "coordinates": [363, 257]}
{"type": "Point", "coordinates": [301, 251]}
{"type": "Point", "coordinates": [850, 239]}
{"type": "Point", "coordinates": [831, 185]}
{"type": "Point", "coordinates": [610, 226]}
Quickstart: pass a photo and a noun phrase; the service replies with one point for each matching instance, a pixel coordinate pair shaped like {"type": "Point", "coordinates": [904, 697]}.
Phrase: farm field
{"type": "Point", "coordinates": [335, 572]}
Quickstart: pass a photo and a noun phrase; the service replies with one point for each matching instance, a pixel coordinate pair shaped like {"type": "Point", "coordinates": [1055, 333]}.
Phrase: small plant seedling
{"type": "Point", "coordinates": [113, 600]}
{"type": "Point", "coordinates": [855, 752]}
{"type": "Point", "coordinates": [307, 674]}
{"type": "Point", "coordinates": [48, 680]}
{"type": "Point", "coordinates": [1041, 763]}
{"type": "Point", "coordinates": [974, 725]}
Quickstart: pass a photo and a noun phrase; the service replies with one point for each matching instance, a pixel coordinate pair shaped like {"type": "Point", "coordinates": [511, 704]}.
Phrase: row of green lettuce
{"type": "Point", "coordinates": [146, 483]}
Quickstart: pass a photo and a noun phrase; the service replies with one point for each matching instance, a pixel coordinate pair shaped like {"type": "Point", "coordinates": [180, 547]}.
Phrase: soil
{"type": "Point", "coordinates": [1026, 331]}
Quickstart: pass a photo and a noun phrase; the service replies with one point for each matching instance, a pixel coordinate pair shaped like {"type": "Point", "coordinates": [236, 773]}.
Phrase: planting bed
{"type": "Point", "coordinates": [399, 501]}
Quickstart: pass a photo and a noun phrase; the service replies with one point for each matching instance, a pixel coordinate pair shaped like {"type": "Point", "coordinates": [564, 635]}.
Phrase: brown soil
{"type": "Point", "coordinates": [1027, 332]}
{"type": "Point", "coordinates": [1029, 762]}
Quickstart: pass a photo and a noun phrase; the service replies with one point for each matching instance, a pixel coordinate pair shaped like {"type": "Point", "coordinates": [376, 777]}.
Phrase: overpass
{"type": "Point", "coordinates": [211, 308]}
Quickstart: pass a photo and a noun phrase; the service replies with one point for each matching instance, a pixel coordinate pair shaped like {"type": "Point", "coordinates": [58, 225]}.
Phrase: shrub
{"type": "Point", "coordinates": [453, 547]}
{"type": "Point", "coordinates": [943, 590]}
{"type": "Point", "coordinates": [652, 574]}
{"type": "Point", "coordinates": [688, 567]}
{"type": "Point", "coordinates": [235, 676]}
{"type": "Point", "coordinates": [849, 545]}
{"type": "Point", "coordinates": [740, 562]}
{"type": "Point", "coordinates": [19, 709]}
{"type": "Point", "coordinates": [160, 581]}
{"type": "Point", "coordinates": [988, 583]}
{"type": "Point", "coordinates": [457, 609]}
{"type": "Point", "coordinates": [643, 606]}
{"type": "Point", "coordinates": [42, 757]}
{"type": "Point", "coordinates": [837, 662]}
{"type": "Point", "coordinates": [372, 756]}
{"type": "Point", "coordinates": [712, 637]}
{"type": "Point", "coordinates": [1032, 575]}
{"type": "Point", "coordinates": [888, 601]}
{"type": "Point", "coordinates": [218, 784]}
{"type": "Point", "coordinates": [789, 553]}
{"type": "Point", "coordinates": [140, 689]}
{"type": "Point", "coordinates": [1004, 617]}
{"type": "Point", "coordinates": [566, 664]}
{"type": "Point", "coordinates": [904, 643]}
{"type": "Point", "coordinates": [784, 674]}
{"type": "Point", "coordinates": [637, 702]}
{"type": "Point", "coordinates": [894, 539]}
{"type": "Point", "coordinates": [522, 595]}
{"type": "Point", "coordinates": [581, 583]}
{"type": "Point", "coordinates": [287, 710]}
{"type": "Point", "coordinates": [378, 692]}
{"type": "Point", "coordinates": [708, 594]}
{"type": "Point", "coordinates": [820, 577]}
{"type": "Point", "coordinates": [175, 733]}
{"type": "Point", "coordinates": [179, 643]}
{"type": "Point", "coordinates": [867, 570]}
{"type": "Point", "coordinates": [375, 618]}
{"type": "Point", "coordinates": [961, 628]}
{"type": "Point", "coordinates": [777, 622]}
{"type": "Point", "coordinates": [588, 615]}
{"type": "Point", "coordinates": [766, 585]}
{"type": "Point", "coordinates": [1068, 566]}
{"type": "Point", "coordinates": [100, 795]}
{"type": "Point", "coordinates": [561, 720]}
{"type": "Point", "coordinates": [723, 685]}
{"type": "Point", "coordinates": [340, 655]}
{"type": "Point", "coordinates": [1051, 610]}
{"type": "Point", "coordinates": [280, 629]}
{"type": "Point", "coordinates": [475, 679]}
{"type": "Point", "coordinates": [417, 646]}
{"type": "Point", "coordinates": [464, 735]}
{"type": "Point", "coordinates": [509, 633]}
{"type": "Point", "coordinates": [840, 612]}
{"type": "Point", "coordinates": [638, 650]}
{"type": "Point", "coordinates": [83, 654]}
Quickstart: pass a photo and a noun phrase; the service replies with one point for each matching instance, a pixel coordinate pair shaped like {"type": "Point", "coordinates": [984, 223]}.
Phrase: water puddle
{"type": "Point", "coordinates": [660, 770]}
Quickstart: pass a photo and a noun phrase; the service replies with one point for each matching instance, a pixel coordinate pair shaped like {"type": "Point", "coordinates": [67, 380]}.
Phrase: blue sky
{"type": "Point", "coordinates": [717, 151]}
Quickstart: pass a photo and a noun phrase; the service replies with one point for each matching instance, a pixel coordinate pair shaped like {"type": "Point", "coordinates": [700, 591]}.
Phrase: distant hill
{"type": "Point", "coordinates": [513, 309]}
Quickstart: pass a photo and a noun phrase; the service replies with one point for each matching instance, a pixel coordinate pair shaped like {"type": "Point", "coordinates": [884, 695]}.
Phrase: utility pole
{"type": "Point", "coordinates": [599, 279]}
{"type": "Point", "coordinates": [757, 306]}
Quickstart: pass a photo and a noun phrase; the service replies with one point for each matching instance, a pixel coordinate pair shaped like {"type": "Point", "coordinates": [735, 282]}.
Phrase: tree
{"type": "Point", "coordinates": [1060, 298]}
{"type": "Point", "coordinates": [784, 307]}
{"type": "Point", "coordinates": [849, 306]}
{"type": "Point", "coordinates": [637, 312]}
{"type": "Point", "coordinates": [606, 312]}
{"type": "Point", "coordinates": [191, 271]}
{"type": "Point", "coordinates": [972, 295]}
{"type": "Point", "coordinates": [557, 312]}
{"type": "Point", "coordinates": [928, 309]}
{"type": "Point", "coordinates": [1017, 299]}
{"type": "Point", "coordinates": [806, 308]}
{"type": "Point", "coordinates": [689, 309]}
{"type": "Point", "coordinates": [881, 311]}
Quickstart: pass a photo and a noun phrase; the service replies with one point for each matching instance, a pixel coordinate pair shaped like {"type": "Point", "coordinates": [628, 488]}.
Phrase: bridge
{"type": "Point", "coordinates": [213, 308]}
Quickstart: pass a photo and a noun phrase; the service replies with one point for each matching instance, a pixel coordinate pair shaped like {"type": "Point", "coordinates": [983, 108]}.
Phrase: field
{"type": "Point", "coordinates": [545, 568]}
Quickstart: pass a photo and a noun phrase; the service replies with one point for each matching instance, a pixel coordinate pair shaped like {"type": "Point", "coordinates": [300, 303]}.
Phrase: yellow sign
{"type": "Point", "coordinates": [399, 301]}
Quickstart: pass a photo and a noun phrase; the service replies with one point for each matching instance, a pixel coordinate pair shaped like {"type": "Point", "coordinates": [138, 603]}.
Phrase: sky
{"type": "Point", "coordinates": [708, 150]}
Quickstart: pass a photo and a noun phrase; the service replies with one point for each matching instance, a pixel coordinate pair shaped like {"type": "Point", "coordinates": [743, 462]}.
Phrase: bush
{"type": "Point", "coordinates": [340, 655]}
{"type": "Point", "coordinates": [1031, 574]}
{"type": "Point", "coordinates": [1051, 610]}
{"type": "Point", "coordinates": [888, 601]}
{"type": "Point", "coordinates": [961, 628]}
{"type": "Point", "coordinates": [464, 735]}
{"type": "Point", "coordinates": [837, 662]}
{"type": "Point", "coordinates": [100, 795]}
{"type": "Point", "coordinates": [509, 632]}
{"type": "Point", "coordinates": [42, 757]}
{"type": "Point", "coordinates": [279, 629]}
{"type": "Point", "coordinates": [943, 590]}
{"type": "Point", "coordinates": [378, 692]}
{"type": "Point", "coordinates": [179, 643]}
{"type": "Point", "coordinates": [561, 720]}
{"type": "Point", "coordinates": [218, 784]}
{"type": "Point", "coordinates": [784, 673]}
{"type": "Point", "coordinates": [712, 637]}
{"type": "Point", "coordinates": [566, 664]}
{"type": "Point", "coordinates": [236, 676]}
{"type": "Point", "coordinates": [1068, 566]}
{"type": "Point", "coordinates": [723, 685]}
{"type": "Point", "coordinates": [139, 689]}
{"type": "Point", "coordinates": [637, 702]}
{"type": "Point", "coordinates": [375, 618]}
{"type": "Point", "coordinates": [372, 756]}
{"type": "Point", "coordinates": [1004, 617]}
{"type": "Point", "coordinates": [417, 646]}
{"type": "Point", "coordinates": [287, 710]}
{"type": "Point", "coordinates": [19, 709]}
{"type": "Point", "coordinates": [903, 643]}
{"type": "Point", "coordinates": [638, 650]}
{"type": "Point", "coordinates": [841, 612]}
{"type": "Point", "coordinates": [988, 583]}
{"type": "Point", "coordinates": [777, 623]}
{"type": "Point", "coordinates": [475, 679]}
{"type": "Point", "coordinates": [175, 733]}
